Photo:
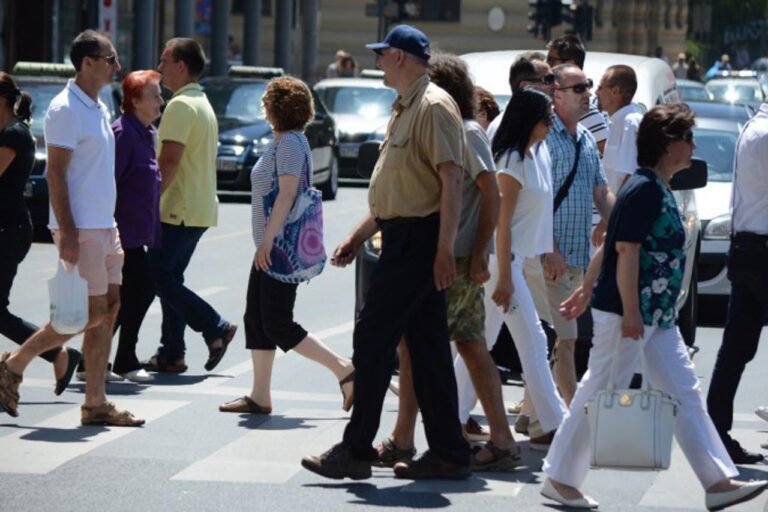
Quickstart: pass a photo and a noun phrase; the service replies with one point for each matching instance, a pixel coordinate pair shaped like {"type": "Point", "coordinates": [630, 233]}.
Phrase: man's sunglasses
{"type": "Point", "coordinates": [578, 88]}
{"type": "Point", "coordinates": [546, 80]}
{"type": "Point", "coordinates": [110, 59]}
{"type": "Point", "coordinates": [554, 60]}
{"type": "Point", "coordinates": [687, 137]}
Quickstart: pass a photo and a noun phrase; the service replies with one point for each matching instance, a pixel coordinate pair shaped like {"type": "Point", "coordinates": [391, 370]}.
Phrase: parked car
{"type": "Point", "coordinates": [43, 81]}
{"type": "Point", "coordinates": [656, 84]}
{"type": "Point", "coordinates": [738, 87]}
{"type": "Point", "coordinates": [717, 127]}
{"type": "Point", "coordinates": [244, 133]}
{"type": "Point", "coordinates": [691, 90]}
{"type": "Point", "coordinates": [359, 106]}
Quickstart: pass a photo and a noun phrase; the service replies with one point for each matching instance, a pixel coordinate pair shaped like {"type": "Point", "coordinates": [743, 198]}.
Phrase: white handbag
{"type": "Point", "coordinates": [631, 429]}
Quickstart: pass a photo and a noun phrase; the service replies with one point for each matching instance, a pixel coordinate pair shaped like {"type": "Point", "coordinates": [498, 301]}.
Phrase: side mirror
{"type": "Point", "coordinates": [367, 156]}
{"type": "Point", "coordinates": [693, 177]}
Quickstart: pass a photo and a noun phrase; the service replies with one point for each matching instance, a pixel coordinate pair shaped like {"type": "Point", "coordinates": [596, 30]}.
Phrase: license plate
{"type": "Point", "coordinates": [349, 151]}
{"type": "Point", "coordinates": [226, 164]}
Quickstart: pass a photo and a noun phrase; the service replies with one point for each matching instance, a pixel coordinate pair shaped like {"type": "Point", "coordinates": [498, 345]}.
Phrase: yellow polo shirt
{"type": "Point", "coordinates": [191, 197]}
{"type": "Point", "coordinates": [425, 130]}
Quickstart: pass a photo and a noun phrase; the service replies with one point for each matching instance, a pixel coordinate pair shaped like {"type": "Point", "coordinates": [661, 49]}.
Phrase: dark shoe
{"type": "Point", "coordinates": [501, 460]}
{"type": "Point", "coordinates": [347, 399]}
{"type": "Point", "coordinates": [338, 463]}
{"type": "Point", "coordinates": [475, 432]}
{"type": "Point", "coordinates": [741, 456]}
{"type": "Point", "coordinates": [244, 404]}
{"type": "Point", "coordinates": [542, 443]}
{"type": "Point", "coordinates": [431, 467]}
{"type": "Point", "coordinates": [74, 358]}
{"type": "Point", "coordinates": [155, 364]}
{"type": "Point", "coordinates": [215, 355]}
{"type": "Point", "coordinates": [9, 387]}
{"type": "Point", "coordinates": [390, 454]}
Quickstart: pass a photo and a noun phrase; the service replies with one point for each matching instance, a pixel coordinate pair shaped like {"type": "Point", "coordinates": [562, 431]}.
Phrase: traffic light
{"type": "Point", "coordinates": [536, 16]}
{"type": "Point", "coordinates": [544, 15]}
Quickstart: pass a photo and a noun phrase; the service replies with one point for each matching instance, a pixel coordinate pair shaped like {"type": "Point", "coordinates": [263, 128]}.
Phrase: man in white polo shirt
{"type": "Point", "coordinates": [81, 182]}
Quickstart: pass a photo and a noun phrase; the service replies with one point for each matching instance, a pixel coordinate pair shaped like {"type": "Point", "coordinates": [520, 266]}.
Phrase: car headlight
{"type": "Point", "coordinates": [260, 145]}
{"type": "Point", "coordinates": [718, 228]}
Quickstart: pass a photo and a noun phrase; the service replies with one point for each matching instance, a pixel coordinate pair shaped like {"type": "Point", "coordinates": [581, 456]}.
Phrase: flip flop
{"type": "Point", "coordinates": [74, 359]}
{"type": "Point", "coordinates": [244, 404]}
{"type": "Point", "coordinates": [347, 401]}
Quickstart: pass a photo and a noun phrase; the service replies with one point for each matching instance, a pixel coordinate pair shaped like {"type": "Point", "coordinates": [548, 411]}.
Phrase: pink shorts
{"type": "Point", "coordinates": [101, 258]}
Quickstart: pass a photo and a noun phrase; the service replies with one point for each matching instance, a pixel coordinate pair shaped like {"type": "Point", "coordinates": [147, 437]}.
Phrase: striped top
{"type": "Point", "coordinates": [594, 121]}
{"type": "Point", "coordinates": [289, 155]}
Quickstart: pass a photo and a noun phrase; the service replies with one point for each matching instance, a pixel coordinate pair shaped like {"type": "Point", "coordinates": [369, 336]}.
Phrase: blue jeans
{"type": "Point", "coordinates": [181, 306]}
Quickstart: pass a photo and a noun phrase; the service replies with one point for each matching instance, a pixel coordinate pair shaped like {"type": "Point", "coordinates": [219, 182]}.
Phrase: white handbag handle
{"type": "Point", "coordinates": [646, 385]}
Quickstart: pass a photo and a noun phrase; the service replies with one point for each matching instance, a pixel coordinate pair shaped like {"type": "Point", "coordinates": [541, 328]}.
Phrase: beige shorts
{"type": "Point", "coordinates": [100, 261]}
{"type": "Point", "coordinates": [557, 292]}
{"type": "Point", "coordinates": [534, 278]}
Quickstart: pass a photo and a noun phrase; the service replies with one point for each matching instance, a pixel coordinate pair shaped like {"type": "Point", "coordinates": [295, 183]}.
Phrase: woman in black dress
{"type": "Point", "coordinates": [17, 156]}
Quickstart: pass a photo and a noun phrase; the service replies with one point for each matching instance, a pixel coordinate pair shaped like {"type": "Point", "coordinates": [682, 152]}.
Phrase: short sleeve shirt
{"type": "Point", "coordinates": [478, 160]}
{"type": "Point", "coordinates": [290, 155]}
{"type": "Point", "coordinates": [190, 120]}
{"type": "Point", "coordinates": [425, 130]}
{"type": "Point", "coordinates": [78, 123]}
{"type": "Point", "coordinates": [594, 121]}
{"type": "Point", "coordinates": [620, 156]}
{"type": "Point", "coordinates": [15, 136]}
{"type": "Point", "coordinates": [646, 213]}
{"type": "Point", "coordinates": [573, 220]}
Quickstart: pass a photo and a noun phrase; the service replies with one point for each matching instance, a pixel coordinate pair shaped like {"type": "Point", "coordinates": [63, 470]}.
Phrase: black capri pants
{"type": "Point", "coordinates": [269, 314]}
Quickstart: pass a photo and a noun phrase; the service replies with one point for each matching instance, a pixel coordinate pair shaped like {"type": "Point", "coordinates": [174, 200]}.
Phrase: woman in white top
{"type": "Point", "coordinates": [526, 210]}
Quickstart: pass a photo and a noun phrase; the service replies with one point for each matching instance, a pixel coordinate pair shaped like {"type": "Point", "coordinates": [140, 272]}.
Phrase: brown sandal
{"type": "Point", "coordinates": [244, 404]}
{"type": "Point", "coordinates": [9, 387]}
{"type": "Point", "coordinates": [347, 399]}
{"type": "Point", "coordinates": [501, 460]}
{"type": "Point", "coordinates": [107, 414]}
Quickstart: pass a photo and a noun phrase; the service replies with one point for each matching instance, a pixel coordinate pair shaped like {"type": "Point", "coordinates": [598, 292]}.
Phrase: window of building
{"type": "Point", "coordinates": [266, 7]}
{"type": "Point", "coordinates": [430, 10]}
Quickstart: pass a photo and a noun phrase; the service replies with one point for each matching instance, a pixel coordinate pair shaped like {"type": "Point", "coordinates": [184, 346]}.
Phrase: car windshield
{"type": "Point", "coordinates": [732, 92]}
{"type": "Point", "coordinates": [369, 102]}
{"type": "Point", "coordinates": [241, 101]}
{"type": "Point", "coordinates": [717, 149]}
{"type": "Point", "coordinates": [692, 93]}
{"type": "Point", "coordinates": [42, 94]}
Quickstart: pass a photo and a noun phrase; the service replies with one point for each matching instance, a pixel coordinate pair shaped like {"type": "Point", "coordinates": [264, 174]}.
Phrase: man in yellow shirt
{"type": "Point", "coordinates": [188, 135]}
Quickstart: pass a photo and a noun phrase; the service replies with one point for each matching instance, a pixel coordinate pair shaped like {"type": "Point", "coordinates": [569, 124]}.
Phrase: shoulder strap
{"type": "Point", "coordinates": [565, 187]}
{"type": "Point", "coordinates": [305, 178]}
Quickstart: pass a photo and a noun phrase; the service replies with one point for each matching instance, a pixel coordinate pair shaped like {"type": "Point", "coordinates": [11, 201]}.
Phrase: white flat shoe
{"type": "Point", "coordinates": [548, 491]}
{"type": "Point", "coordinates": [109, 375]}
{"type": "Point", "coordinates": [721, 500]}
{"type": "Point", "coordinates": [139, 376]}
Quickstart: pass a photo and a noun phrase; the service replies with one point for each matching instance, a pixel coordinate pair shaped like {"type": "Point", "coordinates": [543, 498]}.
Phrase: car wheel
{"type": "Point", "coordinates": [687, 317]}
{"type": "Point", "coordinates": [331, 186]}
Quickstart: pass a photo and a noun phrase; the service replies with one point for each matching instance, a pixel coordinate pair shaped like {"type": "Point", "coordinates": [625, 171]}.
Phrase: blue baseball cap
{"type": "Point", "coordinates": [406, 38]}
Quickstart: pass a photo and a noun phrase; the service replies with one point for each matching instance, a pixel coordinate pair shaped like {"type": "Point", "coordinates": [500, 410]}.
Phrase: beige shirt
{"type": "Point", "coordinates": [425, 130]}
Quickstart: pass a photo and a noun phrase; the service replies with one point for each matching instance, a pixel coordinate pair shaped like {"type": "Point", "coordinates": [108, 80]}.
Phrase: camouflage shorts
{"type": "Point", "coordinates": [466, 310]}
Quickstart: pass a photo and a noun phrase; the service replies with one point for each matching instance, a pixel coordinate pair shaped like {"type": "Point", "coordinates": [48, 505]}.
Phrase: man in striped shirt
{"type": "Point", "coordinates": [568, 49]}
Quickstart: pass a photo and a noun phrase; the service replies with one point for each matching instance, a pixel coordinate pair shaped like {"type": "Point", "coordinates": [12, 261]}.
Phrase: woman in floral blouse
{"type": "Point", "coordinates": [641, 269]}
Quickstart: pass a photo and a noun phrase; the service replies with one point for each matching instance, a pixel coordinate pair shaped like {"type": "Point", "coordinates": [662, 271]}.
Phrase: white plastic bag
{"type": "Point", "coordinates": [69, 300]}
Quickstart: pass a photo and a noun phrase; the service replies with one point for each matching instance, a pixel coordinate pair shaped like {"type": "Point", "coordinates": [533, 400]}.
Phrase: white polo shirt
{"type": "Point", "coordinates": [76, 122]}
{"type": "Point", "coordinates": [749, 197]}
{"type": "Point", "coordinates": [620, 155]}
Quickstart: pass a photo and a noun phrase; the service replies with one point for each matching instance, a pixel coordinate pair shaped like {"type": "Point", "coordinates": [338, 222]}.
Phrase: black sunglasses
{"type": "Point", "coordinates": [578, 88]}
{"type": "Point", "coordinates": [687, 137]}
{"type": "Point", "coordinates": [553, 60]}
{"type": "Point", "coordinates": [110, 59]}
{"type": "Point", "coordinates": [546, 80]}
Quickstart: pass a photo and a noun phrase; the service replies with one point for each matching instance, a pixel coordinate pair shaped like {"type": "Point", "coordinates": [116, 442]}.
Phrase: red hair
{"type": "Point", "coordinates": [133, 87]}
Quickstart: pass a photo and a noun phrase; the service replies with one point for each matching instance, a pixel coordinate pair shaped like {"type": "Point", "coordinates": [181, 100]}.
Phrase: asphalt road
{"type": "Point", "coordinates": [191, 457]}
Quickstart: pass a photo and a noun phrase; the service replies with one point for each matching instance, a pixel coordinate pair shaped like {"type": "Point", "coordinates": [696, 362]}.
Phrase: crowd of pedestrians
{"type": "Point", "coordinates": [485, 217]}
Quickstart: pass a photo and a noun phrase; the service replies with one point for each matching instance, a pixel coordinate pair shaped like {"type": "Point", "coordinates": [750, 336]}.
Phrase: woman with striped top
{"type": "Point", "coordinates": [269, 323]}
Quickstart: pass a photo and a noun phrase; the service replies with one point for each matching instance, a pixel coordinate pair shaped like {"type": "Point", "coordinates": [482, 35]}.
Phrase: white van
{"type": "Point", "coordinates": [655, 85]}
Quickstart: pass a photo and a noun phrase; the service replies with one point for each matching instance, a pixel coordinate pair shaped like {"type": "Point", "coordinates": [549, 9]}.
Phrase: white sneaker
{"type": "Point", "coordinates": [109, 375]}
{"type": "Point", "coordinates": [762, 413]}
{"type": "Point", "coordinates": [139, 376]}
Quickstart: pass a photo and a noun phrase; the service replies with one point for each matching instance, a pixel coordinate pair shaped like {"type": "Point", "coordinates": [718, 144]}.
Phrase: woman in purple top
{"type": "Point", "coordinates": [137, 211]}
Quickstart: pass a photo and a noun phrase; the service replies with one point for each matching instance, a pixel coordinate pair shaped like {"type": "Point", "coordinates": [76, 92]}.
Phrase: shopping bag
{"type": "Point", "coordinates": [68, 293]}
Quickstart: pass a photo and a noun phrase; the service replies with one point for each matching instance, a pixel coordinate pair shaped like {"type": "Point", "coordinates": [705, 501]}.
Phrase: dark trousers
{"type": "Point", "coordinates": [402, 300]}
{"type": "Point", "coordinates": [181, 306]}
{"type": "Point", "coordinates": [268, 315]}
{"type": "Point", "coordinates": [136, 295]}
{"type": "Point", "coordinates": [747, 312]}
{"type": "Point", "coordinates": [15, 241]}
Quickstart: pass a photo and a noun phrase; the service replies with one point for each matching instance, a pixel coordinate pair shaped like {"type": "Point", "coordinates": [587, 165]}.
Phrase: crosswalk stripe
{"type": "Point", "coordinates": [43, 447]}
{"type": "Point", "coordinates": [271, 454]}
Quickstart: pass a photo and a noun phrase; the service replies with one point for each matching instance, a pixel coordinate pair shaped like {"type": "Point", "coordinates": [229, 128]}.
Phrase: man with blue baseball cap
{"type": "Point", "coordinates": [414, 199]}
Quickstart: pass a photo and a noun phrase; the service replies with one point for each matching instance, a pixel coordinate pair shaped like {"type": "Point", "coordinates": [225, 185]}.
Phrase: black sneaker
{"type": "Point", "coordinates": [741, 456]}
{"type": "Point", "coordinates": [338, 463]}
{"type": "Point", "coordinates": [431, 467]}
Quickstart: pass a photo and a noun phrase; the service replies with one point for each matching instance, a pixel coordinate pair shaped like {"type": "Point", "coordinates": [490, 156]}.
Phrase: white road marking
{"type": "Point", "coordinates": [154, 309]}
{"type": "Point", "coordinates": [54, 441]}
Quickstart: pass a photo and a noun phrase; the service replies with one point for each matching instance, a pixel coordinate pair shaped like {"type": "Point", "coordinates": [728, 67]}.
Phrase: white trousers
{"type": "Point", "coordinates": [531, 343]}
{"type": "Point", "coordinates": [671, 370]}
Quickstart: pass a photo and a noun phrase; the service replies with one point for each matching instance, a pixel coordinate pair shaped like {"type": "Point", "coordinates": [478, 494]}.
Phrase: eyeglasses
{"type": "Point", "coordinates": [546, 80]}
{"type": "Point", "coordinates": [110, 59]}
{"type": "Point", "coordinates": [687, 137]}
{"type": "Point", "coordinates": [578, 88]}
